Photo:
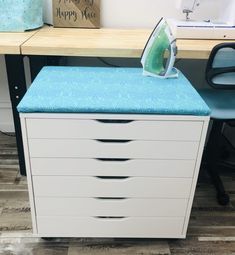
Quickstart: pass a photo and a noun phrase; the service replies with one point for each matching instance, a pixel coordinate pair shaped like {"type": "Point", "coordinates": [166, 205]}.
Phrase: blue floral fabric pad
{"type": "Point", "coordinates": [20, 15]}
{"type": "Point", "coordinates": [110, 90]}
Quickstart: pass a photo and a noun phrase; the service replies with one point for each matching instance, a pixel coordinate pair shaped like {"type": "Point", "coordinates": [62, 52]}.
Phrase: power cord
{"type": "Point", "coordinates": [178, 60]}
{"type": "Point", "coordinates": [107, 63]}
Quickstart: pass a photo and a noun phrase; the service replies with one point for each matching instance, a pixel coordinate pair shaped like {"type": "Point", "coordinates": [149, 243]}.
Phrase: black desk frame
{"type": "Point", "coordinates": [17, 89]}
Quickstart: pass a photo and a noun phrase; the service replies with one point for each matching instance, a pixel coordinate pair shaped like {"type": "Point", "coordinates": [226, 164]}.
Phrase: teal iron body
{"type": "Point", "coordinates": [159, 54]}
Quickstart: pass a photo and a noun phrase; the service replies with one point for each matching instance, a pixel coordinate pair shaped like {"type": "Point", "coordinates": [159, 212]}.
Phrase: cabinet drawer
{"type": "Point", "coordinates": [105, 149]}
{"type": "Point", "coordinates": [135, 207]}
{"type": "Point", "coordinates": [111, 167]}
{"type": "Point", "coordinates": [139, 187]}
{"type": "Point", "coordinates": [114, 129]}
{"type": "Point", "coordinates": [103, 227]}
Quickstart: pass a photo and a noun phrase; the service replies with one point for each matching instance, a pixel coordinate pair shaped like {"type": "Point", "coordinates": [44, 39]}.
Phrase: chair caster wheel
{"type": "Point", "coordinates": [223, 199]}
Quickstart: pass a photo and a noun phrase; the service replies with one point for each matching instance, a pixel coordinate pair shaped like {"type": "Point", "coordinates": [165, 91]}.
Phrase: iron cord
{"type": "Point", "coordinates": [107, 63]}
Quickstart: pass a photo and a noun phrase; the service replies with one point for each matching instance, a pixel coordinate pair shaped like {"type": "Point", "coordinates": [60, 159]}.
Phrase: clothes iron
{"type": "Point", "coordinates": [160, 51]}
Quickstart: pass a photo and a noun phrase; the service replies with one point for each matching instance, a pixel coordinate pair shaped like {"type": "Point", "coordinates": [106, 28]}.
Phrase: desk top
{"type": "Point", "coordinates": [105, 42]}
{"type": "Point", "coordinates": [10, 42]}
{"type": "Point", "coordinates": [87, 42]}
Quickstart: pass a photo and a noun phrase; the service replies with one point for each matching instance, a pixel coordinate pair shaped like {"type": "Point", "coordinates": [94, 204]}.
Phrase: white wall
{"type": "Point", "coordinates": [6, 119]}
{"type": "Point", "coordinates": [144, 13]}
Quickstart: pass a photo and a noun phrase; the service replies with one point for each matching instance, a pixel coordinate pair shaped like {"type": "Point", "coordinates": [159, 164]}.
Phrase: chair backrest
{"type": "Point", "coordinates": [220, 70]}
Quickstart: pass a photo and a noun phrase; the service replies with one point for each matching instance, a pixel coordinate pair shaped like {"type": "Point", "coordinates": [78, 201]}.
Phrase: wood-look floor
{"type": "Point", "coordinates": [211, 229]}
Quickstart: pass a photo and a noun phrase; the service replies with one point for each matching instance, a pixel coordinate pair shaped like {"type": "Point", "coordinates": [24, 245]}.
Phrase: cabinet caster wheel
{"type": "Point", "coordinates": [223, 199]}
{"type": "Point", "coordinates": [47, 238]}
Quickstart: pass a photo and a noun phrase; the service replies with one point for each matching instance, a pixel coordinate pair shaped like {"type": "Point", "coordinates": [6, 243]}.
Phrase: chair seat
{"type": "Point", "coordinates": [221, 102]}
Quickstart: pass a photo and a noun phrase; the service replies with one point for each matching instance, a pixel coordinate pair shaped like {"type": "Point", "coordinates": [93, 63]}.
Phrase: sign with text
{"type": "Point", "coordinates": [76, 13]}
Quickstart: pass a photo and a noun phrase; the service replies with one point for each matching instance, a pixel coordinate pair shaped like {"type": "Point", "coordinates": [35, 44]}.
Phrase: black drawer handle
{"type": "Point", "coordinates": [112, 177]}
{"type": "Point", "coordinates": [112, 141]}
{"type": "Point", "coordinates": [115, 121]}
{"type": "Point", "coordinates": [110, 217]}
{"type": "Point", "coordinates": [113, 159]}
{"type": "Point", "coordinates": [111, 198]}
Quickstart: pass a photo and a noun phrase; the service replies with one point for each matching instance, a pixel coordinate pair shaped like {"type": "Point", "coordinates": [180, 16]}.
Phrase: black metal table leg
{"type": "Point", "coordinates": [36, 64]}
{"type": "Point", "coordinates": [17, 89]}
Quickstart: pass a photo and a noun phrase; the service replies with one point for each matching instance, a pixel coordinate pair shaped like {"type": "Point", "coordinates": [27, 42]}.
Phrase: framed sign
{"type": "Point", "coordinates": [76, 13]}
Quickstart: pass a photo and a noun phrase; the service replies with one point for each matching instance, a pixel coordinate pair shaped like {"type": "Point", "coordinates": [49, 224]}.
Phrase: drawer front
{"type": "Point", "coordinates": [135, 207]}
{"type": "Point", "coordinates": [121, 167]}
{"type": "Point", "coordinates": [139, 187]}
{"type": "Point", "coordinates": [105, 149]}
{"type": "Point", "coordinates": [155, 227]}
{"type": "Point", "coordinates": [114, 129]}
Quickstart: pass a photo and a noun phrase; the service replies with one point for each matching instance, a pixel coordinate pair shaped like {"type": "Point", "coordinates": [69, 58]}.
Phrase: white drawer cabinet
{"type": "Point", "coordinates": [111, 207]}
{"type": "Point", "coordinates": [120, 167]}
{"type": "Point", "coordinates": [114, 129]}
{"type": "Point", "coordinates": [76, 148]}
{"type": "Point", "coordinates": [162, 227]}
{"type": "Point", "coordinates": [120, 187]}
{"type": "Point", "coordinates": [102, 175]}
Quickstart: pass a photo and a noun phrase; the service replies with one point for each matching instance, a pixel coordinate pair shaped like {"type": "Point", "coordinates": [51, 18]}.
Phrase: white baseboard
{"type": "Point", "coordinates": [5, 104]}
{"type": "Point", "coordinates": [7, 127]}
{"type": "Point", "coordinates": [6, 118]}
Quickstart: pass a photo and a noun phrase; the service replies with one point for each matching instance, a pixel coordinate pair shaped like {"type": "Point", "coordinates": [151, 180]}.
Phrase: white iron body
{"type": "Point", "coordinates": [152, 59]}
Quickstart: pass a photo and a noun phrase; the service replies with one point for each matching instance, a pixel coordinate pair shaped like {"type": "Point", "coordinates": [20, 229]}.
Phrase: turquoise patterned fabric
{"type": "Point", "coordinates": [110, 90]}
{"type": "Point", "coordinates": [20, 15]}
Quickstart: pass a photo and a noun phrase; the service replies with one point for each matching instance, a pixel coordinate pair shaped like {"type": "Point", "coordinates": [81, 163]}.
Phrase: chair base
{"type": "Point", "coordinates": [212, 158]}
{"type": "Point", "coordinates": [223, 198]}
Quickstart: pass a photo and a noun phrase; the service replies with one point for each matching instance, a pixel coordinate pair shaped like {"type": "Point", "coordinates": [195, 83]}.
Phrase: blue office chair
{"type": "Point", "coordinates": [220, 97]}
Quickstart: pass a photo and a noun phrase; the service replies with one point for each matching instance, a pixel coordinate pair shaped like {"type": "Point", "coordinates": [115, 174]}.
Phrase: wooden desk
{"type": "Point", "coordinates": [105, 43]}
{"type": "Point", "coordinates": [50, 41]}
{"type": "Point", "coordinates": [10, 43]}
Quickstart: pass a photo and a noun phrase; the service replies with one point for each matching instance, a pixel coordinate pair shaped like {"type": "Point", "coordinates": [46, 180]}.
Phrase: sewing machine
{"type": "Point", "coordinates": [209, 27]}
